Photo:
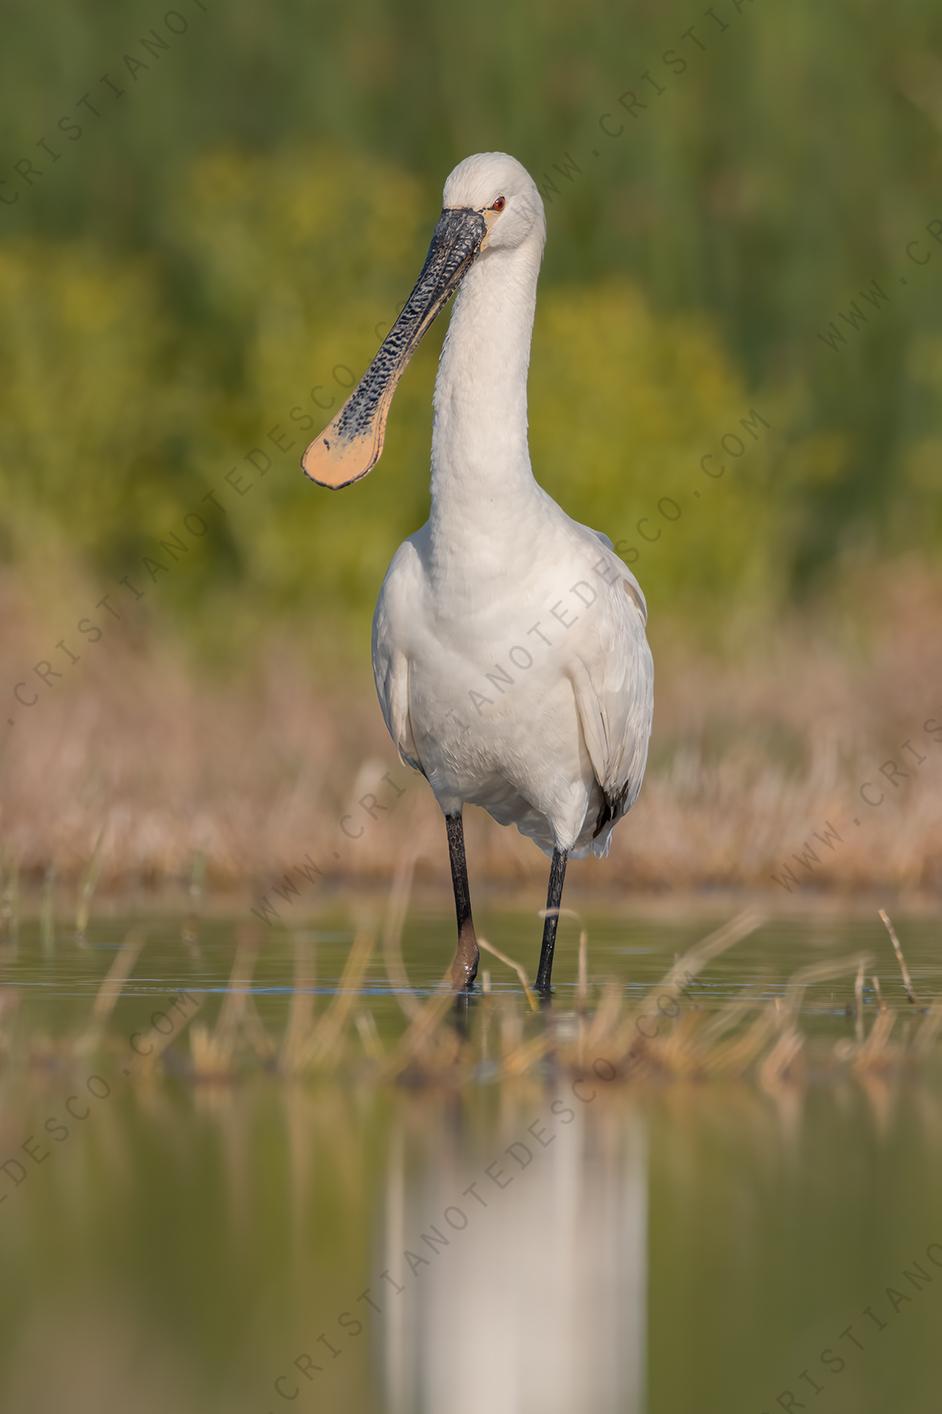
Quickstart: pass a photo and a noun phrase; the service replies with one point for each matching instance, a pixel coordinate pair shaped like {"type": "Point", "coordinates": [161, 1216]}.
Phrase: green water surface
{"type": "Point", "coordinates": [332, 1245]}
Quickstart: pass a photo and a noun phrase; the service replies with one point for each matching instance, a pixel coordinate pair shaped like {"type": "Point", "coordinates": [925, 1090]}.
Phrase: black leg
{"type": "Point", "coordinates": [554, 896]}
{"type": "Point", "coordinates": [465, 966]}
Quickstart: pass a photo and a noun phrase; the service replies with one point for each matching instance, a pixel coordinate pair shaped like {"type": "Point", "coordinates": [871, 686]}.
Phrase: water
{"type": "Point", "coordinates": [266, 1245]}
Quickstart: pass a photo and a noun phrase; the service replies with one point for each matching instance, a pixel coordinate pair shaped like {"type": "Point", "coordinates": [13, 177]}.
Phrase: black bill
{"type": "Point", "coordinates": [353, 442]}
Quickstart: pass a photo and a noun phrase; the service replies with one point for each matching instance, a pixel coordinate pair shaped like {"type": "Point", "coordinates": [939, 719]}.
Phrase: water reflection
{"type": "Point", "coordinates": [273, 1247]}
{"type": "Point", "coordinates": [523, 1269]}
{"type": "Point", "coordinates": [278, 1246]}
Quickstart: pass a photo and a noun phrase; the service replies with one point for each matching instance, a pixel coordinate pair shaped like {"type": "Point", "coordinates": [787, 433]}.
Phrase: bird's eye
{"type": "Point", "coordinates": [498, 204]}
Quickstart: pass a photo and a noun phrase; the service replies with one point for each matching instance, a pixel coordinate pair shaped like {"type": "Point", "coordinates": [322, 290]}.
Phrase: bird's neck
{"type": "Point", "coordinates": [481, 476]}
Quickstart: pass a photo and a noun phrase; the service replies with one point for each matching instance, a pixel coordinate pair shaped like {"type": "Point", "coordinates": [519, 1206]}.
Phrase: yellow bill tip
{"type": "Point", "coordinates": [335, 461]}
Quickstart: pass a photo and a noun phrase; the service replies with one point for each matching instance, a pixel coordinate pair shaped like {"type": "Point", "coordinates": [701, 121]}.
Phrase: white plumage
{"type": "Point", "coordinates": [543, 736]}
{"type": "Point", "coordinates": [509, 645]}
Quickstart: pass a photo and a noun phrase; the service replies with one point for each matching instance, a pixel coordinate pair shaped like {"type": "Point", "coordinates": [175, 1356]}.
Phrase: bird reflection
{"type": "Point", "coordinates": [517, 1280]}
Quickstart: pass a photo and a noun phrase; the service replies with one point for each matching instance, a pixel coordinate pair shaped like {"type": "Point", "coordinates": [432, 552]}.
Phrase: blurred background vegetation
{"type": "Point", "coordinates": [208, 214]}
{"type": "Point", "coordinates": [223, 239]}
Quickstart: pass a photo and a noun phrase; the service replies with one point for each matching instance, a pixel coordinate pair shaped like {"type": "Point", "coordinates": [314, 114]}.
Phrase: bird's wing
{"type": "Point", "coordinates": [390, 660]}
{"type": "Point", "coordinates": [614, 561]}
{"type": "Point", "coordinates": [612, 675]}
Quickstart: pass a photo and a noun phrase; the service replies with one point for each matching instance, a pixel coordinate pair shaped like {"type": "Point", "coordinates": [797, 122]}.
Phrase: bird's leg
{"type": "Point", "coordinates": [554, 896]}
{"type": "Point", "coordinates": [465, 966]}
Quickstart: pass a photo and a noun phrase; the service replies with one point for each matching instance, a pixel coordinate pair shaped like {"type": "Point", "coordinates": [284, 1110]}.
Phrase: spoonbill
{"type": "Point", "coordinates": [509, 647]}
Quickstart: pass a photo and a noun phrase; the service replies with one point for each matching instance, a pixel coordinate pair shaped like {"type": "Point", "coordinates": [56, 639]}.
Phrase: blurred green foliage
{"type": "Point", "coordinates": [207, 265]}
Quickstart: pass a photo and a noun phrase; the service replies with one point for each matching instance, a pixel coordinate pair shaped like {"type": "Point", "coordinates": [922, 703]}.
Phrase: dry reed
{"type": "Point", "coordinates": [757, 764]}
{"type": "Point", "coordinates": [445, 1041]}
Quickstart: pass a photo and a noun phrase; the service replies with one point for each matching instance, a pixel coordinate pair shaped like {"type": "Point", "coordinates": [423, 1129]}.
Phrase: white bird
{"type": "Point", "coordinates": [509, 645]}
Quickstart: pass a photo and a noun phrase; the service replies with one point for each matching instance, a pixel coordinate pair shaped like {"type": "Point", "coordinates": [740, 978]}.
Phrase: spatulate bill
{"type": "Point", "coordinates": [352, 443]}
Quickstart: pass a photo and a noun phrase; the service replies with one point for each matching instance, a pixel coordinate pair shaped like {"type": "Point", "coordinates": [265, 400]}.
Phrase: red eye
{"type": "Point", "coordinates": [499, 204]}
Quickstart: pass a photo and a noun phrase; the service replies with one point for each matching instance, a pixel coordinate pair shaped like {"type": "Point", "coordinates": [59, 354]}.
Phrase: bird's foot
{"type": "Point", "coordinates": [464, 968]}
{"type": "Point", "coordinates": [463, 973]}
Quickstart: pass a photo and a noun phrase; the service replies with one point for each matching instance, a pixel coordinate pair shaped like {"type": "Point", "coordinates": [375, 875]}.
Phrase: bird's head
{"type": "Point", "coordinates": [501, 191]}
{"type": "Point", "coordinates": [490, 206]}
